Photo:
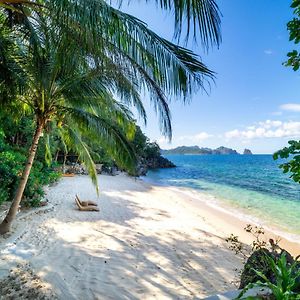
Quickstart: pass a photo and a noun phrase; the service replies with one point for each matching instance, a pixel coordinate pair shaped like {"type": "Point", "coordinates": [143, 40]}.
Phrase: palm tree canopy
{"type": "Point", "coordinates": [135, 59]}
{"type": "Point", "coordinates": [199, 17]}
{"type": "Point", "coordinates": [149, 61]}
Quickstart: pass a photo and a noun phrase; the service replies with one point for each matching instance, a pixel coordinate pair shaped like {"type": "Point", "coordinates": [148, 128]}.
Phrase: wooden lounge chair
{"type": "Point", "coordinates": [85, 208]}
{"type": "Point", "coordinates": [68, 175]}
{"type": "Point", "coordinates": [86, 203]}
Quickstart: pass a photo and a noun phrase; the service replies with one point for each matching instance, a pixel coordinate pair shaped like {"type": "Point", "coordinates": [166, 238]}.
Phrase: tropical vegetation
{"type": "Point", "coordinates": [293, 150]}
{"type": "Point", "coordinates": [77, 68]}
{"type": "Point", "coordinates": [286, 285]}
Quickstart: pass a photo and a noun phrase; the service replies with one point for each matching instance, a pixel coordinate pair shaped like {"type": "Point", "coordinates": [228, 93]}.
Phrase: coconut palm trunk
{"type": "Point", "coordinates": [6, 223]}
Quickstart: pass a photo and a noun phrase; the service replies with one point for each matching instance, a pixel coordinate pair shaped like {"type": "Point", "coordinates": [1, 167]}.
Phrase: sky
{"type": "Point", "coordinates": [255, 100]}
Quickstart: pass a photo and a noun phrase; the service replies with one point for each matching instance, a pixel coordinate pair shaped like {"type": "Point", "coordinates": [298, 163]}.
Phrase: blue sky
{"type": "Point", "coordinates": [255, 102]}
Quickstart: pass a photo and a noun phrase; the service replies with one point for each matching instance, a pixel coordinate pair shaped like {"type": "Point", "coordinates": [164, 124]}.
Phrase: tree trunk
{"type": "Point", "coordinates": [56, 156]}
{"type": "Point", "coordinates": [65, 161]}
{"type": "Point", "coordinates": [6, 224]}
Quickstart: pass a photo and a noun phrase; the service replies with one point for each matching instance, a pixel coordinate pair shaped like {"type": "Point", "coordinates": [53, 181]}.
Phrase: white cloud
{"type": "Point", "coordinates": [267, 129]}
{"type": "Point", "coordinates": [291, 107]}
{"type": "Point", "coordinates": [199, 137]}
{"type": "Point", "coordinates": [268, 51]}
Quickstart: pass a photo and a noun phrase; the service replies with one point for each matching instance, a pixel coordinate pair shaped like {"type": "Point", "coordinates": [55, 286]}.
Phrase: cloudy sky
{"type": "Point", "coordinates": [255, 101]}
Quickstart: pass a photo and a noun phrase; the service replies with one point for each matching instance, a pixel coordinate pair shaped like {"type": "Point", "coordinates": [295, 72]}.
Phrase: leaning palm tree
{"type": "Point", "coordinates": [72, 97]}
{"type": "Point", "coordinates": [77, 57]}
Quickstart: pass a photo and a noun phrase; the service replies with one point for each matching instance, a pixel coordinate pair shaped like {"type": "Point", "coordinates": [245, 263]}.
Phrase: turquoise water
{"type": "Point", "coordinates": [252, 183]}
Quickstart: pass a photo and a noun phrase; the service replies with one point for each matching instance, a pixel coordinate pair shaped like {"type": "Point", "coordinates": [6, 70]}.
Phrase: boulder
{"type": "Point", "coordinates": [99, 168]}
{"type": "Point", "coordinates": [257, 261]}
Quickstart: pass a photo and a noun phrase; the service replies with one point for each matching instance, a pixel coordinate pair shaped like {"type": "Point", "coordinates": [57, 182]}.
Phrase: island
{"type": "Point", "coordinates": [247, 152]}
{"type": "Point", "coordinates": [196, 150]}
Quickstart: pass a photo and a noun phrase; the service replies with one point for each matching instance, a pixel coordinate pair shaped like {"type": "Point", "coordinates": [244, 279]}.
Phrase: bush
{"type": "Point", "coordinates": [285, 282]}
{"type": "Point", "coordinates": [11, 167]}
{"type": "Point", "coordinates": [293, 165]}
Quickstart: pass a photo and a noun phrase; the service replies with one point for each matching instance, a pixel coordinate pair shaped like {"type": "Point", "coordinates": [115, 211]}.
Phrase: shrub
{"type": "Point", "coordinates": [286, 285]}
{"type": "Point", "coordinates": [11, 166]}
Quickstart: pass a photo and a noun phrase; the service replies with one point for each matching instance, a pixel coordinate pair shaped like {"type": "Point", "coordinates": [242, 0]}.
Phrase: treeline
{"type": "Point", "coordinates": [15, 139]}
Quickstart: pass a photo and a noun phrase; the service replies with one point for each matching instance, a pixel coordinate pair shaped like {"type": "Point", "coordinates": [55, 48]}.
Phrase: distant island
{"type": "Point", "coordinates": [247, 152]}
{"type": "Point", "coordinates": [196, 150]}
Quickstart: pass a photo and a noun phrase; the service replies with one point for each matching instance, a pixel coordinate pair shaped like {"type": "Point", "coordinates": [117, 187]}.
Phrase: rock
{"type": "Point", "coordinates": [75, 168]}
{"type": "Point", "coordinates": [158, 162]}
{"type": "Point", "coordinates": [247, 152]}
{"type": "Point", "coordinates": [258, 262]}
{"type": "Point", "coordinates": [99, 168]}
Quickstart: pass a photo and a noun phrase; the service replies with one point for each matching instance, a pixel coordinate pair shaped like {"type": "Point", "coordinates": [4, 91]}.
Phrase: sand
{"type": "Point", "coordinates": [147, 242]}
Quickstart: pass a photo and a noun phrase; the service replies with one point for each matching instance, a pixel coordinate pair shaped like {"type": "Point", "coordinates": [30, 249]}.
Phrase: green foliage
{"type": "Point", "coordinates": [2, 143]}
{"type": "Point", "coordinates": [15, 135]}
{"type": "Point", "coordinates": [143, 147]}
{"type": "Point", "coordinates": [293, 151]}
{"type": "Point", "coordinates": [287, 279]}
{"type": "Point", "coordinates": [293, 27]}
{"type": "Point", "coordinates": [293, 165]}
{"type": "Point", "coordinates": [78, 67]}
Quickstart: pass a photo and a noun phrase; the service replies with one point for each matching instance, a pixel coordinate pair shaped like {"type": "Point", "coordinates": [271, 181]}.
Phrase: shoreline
{"type": "Point", "coordinates": [236, 212]}
{"type": "Point", "coordinates": [234, 217]}
{"type": "Point", "coordinates": [147, 241]}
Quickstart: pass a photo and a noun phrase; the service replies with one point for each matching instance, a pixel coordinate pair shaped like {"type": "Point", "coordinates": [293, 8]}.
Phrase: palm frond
{"type": "Point", "coordinates": [104, 31]}
{"type": "Point", "coordinates": [107, 132]}
{"type": "Point", "coordinates": [74, 140]}
{"type": "Point", "coordinates": [198, 17]}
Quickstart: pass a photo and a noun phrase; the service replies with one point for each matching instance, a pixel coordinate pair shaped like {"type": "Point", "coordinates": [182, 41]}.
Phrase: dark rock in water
{"type": "Point", "coordinates": [158, 162]}
{"type": "Point", "coordinates": [247, 152]}
{"type": "Point", "coordinates": [257, 261]}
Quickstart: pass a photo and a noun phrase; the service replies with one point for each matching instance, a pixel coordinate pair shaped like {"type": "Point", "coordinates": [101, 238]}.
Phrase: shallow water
{"type": "Point", "coordinates": [252, 183]}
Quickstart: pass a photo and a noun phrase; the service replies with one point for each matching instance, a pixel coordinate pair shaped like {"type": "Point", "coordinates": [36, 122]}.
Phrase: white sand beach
{"type": "Point", "coordinates": [147, 242]}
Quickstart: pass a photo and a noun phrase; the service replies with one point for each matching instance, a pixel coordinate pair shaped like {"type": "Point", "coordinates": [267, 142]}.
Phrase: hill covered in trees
{"type": "Point", "coordinates": [196, 150]}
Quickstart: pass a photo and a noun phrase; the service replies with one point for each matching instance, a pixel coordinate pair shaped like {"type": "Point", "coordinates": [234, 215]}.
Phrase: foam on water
{"type": "Point", "coordinates": [252, 185]}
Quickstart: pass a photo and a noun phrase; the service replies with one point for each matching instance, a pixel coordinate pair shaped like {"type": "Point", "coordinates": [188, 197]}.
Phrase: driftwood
{"type": "Point", "coordinates": [85, 206]}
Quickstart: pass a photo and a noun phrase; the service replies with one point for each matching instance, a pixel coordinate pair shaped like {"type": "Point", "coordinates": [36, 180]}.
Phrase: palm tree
{"type": "Point", "coordinates": [77, 57]}
{"type": "Point", "coordinates": [72, 97]}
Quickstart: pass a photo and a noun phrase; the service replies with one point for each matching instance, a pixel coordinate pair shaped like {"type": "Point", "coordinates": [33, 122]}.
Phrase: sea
{"type": "Point", "coordinates": [252, 185]}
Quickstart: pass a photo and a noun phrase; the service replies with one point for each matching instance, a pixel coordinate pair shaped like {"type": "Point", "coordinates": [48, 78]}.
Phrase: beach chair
{"type": "Point", "coordinates": [86, 203]}
{"type": "Point", "coordinates": [85, 208]}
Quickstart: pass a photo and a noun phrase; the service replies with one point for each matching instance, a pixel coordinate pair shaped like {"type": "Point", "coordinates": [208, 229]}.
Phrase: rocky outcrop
{"type": "Point", "coordinates": [247, 152]}
{"type": "Point", "coordinates": [76, 168]}
{"type": "Point", "coordinates": [158, 162]}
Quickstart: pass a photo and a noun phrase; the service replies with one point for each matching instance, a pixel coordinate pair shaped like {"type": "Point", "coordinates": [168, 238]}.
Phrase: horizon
{"type": "Point", "coordinates": [253, 102]}
{"type": "Point", "coordinates": [201, 147]}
